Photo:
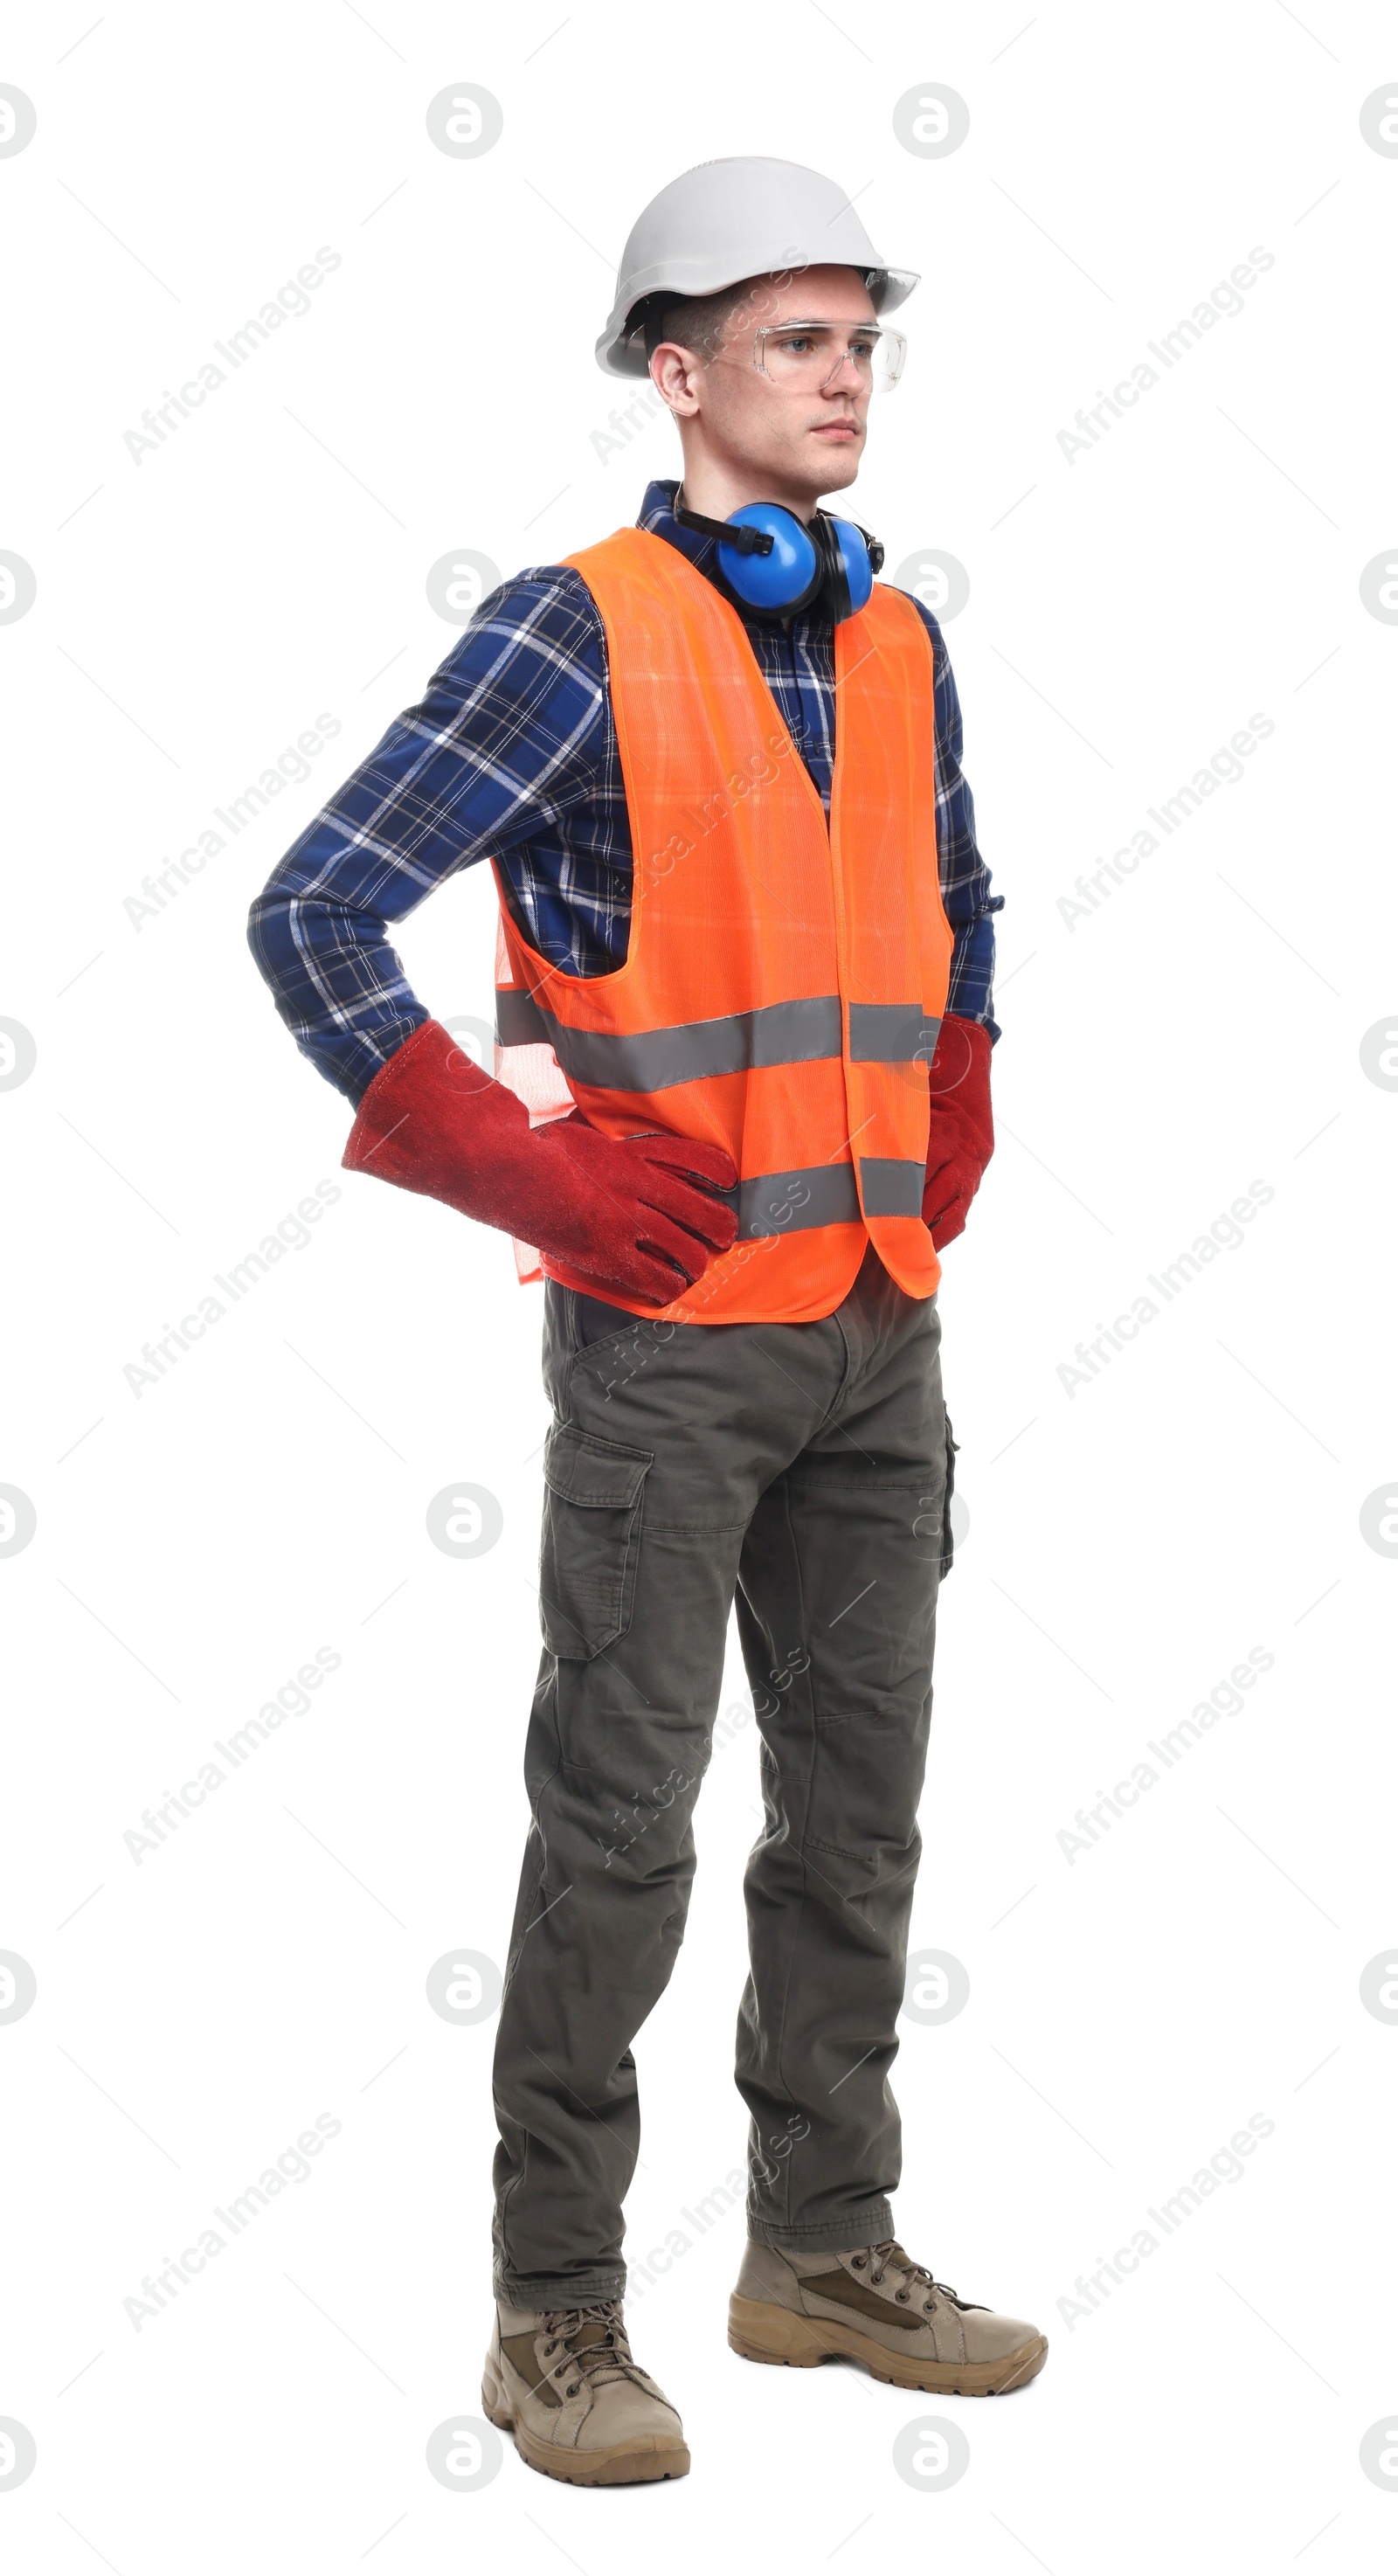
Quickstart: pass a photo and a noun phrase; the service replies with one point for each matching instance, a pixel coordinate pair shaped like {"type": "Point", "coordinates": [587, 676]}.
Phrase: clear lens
{"type": "Point", "coordinates": [812, 355]}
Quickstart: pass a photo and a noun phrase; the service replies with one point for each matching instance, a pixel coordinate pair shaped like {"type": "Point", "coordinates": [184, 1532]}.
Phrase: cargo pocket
{"type": "Point", "coordinates": [591, 1540]}
{"type": "Point", "coordinates": [947, 1491]}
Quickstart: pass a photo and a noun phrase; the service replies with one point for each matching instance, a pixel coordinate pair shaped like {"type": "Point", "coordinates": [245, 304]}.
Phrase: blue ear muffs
{"type": "Point", "coordinates": [773, 563]}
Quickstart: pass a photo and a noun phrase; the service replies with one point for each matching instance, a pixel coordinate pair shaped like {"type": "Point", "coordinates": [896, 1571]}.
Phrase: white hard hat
{"type": "Point", "coordinates": [727, 220]}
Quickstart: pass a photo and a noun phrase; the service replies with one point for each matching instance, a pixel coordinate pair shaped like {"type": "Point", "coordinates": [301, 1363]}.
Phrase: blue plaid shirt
{"type": "Point", "coordinates": [512, 755]}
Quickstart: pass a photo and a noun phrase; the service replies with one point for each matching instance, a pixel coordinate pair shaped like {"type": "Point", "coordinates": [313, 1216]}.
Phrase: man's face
{"type": "Point", "coordinates": [800, 438]}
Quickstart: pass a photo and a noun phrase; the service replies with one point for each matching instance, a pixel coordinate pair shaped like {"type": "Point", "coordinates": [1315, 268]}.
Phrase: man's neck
{"type": "Point", "coordinates": [717, 491]}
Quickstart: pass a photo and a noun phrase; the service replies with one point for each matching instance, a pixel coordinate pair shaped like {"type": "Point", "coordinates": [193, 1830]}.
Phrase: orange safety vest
{"type": "Point", "coordinates": [785, 979]}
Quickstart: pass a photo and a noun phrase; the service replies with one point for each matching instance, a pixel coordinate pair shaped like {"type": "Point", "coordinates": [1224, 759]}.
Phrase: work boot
{"type": "Point", "coordinates": [875, 2305]}
{"type": "Point", "coordinates": [562, 2380]}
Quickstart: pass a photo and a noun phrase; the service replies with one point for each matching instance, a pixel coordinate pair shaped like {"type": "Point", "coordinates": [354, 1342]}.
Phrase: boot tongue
{"type": "Point", "coordinates": [591, 2331]}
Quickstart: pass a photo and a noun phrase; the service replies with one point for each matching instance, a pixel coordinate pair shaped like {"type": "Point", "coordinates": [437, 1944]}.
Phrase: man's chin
{"type": "Point", "coordinates": [837, 462]}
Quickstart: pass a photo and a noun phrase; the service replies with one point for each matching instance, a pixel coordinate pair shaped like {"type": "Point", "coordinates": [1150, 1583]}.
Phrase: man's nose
{"type": "Point", "coordinates": [846, 358]}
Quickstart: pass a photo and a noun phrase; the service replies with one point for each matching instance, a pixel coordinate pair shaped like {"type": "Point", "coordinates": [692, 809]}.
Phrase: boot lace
{"type": "Point", "coordinates": [594, 2344]}
{"type": "Point", "coordinates": [914, 2276]}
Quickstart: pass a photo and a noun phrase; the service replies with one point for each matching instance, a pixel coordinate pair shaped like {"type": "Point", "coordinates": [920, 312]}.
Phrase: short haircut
{"type": "Point", "coordinates": [697, 322]}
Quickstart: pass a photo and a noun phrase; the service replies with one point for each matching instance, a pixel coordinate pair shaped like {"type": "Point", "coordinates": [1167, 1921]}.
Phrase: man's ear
{"type": "Point", "coordinates": [672, 372]}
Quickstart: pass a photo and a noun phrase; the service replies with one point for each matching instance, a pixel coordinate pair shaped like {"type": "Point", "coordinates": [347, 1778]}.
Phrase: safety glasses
{"type": "Point", "coordinates": [810, 356]}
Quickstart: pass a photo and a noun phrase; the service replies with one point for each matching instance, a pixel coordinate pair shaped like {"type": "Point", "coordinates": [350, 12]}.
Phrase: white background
{"type": "Point", "coordinates": [1129, 1542]}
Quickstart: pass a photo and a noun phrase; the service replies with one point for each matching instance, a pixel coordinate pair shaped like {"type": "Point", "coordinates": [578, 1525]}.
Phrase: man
{"type": "Point", "coordinates": [744, 991]}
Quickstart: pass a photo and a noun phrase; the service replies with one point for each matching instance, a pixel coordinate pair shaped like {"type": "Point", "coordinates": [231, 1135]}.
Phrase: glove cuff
{"type": "Point", "coordinates": [401, 1110]}
{"type": "Point", "coordinates": [962, 1055]}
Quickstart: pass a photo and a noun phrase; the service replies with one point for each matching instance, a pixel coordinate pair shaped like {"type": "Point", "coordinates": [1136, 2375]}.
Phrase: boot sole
{"type": "Point", "coordinates": [760, 2332]}
{"type": "Point", "coordinates": [623, 2464]}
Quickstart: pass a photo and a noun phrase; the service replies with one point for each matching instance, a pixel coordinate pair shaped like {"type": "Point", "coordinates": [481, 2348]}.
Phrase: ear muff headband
{"type": "Point", "coordinates": [773, 563]}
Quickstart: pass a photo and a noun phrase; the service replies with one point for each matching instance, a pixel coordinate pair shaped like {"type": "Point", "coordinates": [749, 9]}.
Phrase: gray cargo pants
{"type": "Point", "coordinates": [806, 1467]}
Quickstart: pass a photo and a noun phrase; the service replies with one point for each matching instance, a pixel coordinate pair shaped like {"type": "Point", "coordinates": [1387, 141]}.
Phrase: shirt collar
{"type": "Point", "coordinates": [657, 517]}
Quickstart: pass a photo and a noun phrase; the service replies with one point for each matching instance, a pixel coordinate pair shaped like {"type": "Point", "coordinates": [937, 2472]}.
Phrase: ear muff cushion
{"type": "Point", "coordinates": [835, 593]}
{"type": "Point", "coordinates": [855, 572]}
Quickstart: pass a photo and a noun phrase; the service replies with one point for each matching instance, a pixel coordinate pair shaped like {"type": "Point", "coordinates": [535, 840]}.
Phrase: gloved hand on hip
{"type": "Point", "coordinates": [962, 1137]}
{"type": "Point", "coordinates": [636, 1213]}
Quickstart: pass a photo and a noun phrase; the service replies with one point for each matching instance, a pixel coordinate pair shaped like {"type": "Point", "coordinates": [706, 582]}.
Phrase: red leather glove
{"type": "Point", "coordinates": [635, 1213]}
{"type": "Point", "coordinates": [962, 1137]}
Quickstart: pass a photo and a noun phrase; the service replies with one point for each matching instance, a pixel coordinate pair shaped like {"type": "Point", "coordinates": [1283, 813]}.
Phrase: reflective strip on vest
{"type": "Point", "coordinates": [793, 1202]}
{"type": "Point", "coordinates": [891, 1033]}
{"type": "Point", "coordinates": [890, 1186]}
{"type": "Point", "coordinates": [781, 1033]}
{"type": "Point", "coordinates": [656, 1059]}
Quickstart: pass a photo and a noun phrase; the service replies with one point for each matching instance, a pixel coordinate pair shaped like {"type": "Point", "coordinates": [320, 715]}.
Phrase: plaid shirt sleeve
{"type": "Point", "coordinates": [966, 897]}
{"type": "Point", "coordinates": [507, 741]}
